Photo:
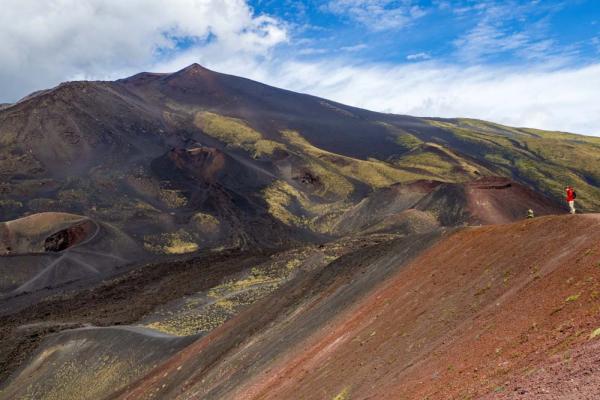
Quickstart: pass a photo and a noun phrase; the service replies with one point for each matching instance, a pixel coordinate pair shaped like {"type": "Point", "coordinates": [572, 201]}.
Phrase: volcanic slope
{"type": "Point", "coordinates": [422, 205]}
{"type": "Point", "coordinates": [86, 363]}
{"type": "Point", "coordinates": [278, 167]}
{"type": "Point", "coordinates": [254, 190]}
{"type": "Point", "coordinates": [485, 201]}
{"type": "Point", "coordinates": [169, 300]}
{"type": "Point", "coordinates": [197, 160]}
{"type": "Point", "coordinates": [483, 310]}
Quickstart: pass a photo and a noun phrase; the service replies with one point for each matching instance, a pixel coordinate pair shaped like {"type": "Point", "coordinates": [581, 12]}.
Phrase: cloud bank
{"type": "Point", "coordinates": [45, 42]}
{"type": "Point", "coordinates": [562, 99]}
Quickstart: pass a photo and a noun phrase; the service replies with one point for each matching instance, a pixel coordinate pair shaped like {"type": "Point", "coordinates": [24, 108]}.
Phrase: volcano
{"type": "Point", "coordinates": [200, 235]}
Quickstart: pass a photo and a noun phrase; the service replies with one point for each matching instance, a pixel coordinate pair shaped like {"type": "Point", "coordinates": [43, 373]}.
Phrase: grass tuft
{"type": "Point", "coordinates": [595, 333]}
{"type": "Point", "coordinates": [573, 297]}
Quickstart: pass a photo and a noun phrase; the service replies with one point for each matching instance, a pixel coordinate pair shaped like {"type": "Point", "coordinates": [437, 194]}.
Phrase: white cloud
{"type": "Point", "coordinates": [311, 51]}
{"type": "Point", "coordinates": [509, 27]}
{"type": "Point", "coordinates": [45, 42]}
{"type": "Point", "coordinates": [486, 39]}
{"type": "Point", "coordinates": [418, 56]}
{"type": "Point", "coordinates": [560, 99]}
{"type": "Point", "coordinates": [377, 15]}
{"type": "Point", "coordinates": [354, 48]}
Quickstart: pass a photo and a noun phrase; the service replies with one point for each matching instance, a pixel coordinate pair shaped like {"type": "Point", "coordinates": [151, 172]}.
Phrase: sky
{"type": "Point", "coordinates": [529, 63]}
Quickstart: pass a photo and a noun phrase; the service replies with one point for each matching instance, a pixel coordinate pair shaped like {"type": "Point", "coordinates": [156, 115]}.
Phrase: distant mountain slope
{"type": "Point", "coordinates": [547, 161]}
{"type": "Point", "coordinates": [285, 166]}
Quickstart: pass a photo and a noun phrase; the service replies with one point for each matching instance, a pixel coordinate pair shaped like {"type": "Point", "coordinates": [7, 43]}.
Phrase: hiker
{"type": "Point", "coordinates": [530, 213]}
{"type": "Point", "coordinates": [571, 196]}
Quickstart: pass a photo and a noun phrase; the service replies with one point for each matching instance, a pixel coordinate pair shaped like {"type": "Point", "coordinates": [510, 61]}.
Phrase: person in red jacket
{"type": "Point", "coordinates": [571, 195]}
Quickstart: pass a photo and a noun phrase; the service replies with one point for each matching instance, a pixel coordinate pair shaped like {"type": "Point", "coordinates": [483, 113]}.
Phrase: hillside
{"type": "Point", "coordinates": [200, 235]}
{"type": "Point", "coordinates": [506, 311]}
{"type": "Point", "coordinates": [93, 148]}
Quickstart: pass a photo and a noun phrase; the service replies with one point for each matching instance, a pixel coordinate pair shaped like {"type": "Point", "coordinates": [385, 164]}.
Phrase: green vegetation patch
{"type": "Point", "coordinates": [236, 133]}
{"type": "Point", "coordinates": [332, 184]}
{"type": "Point", "coordinates": [401, 137]}
{"type": "Point", "coordinates": [228, 130]}
{"type": "Point", "coordinates": [257, 277]}
{"type": "Point", "coordinates": [280, 197]}
{"type": "Point", "coordinates": [172, 198]}
{"type": "Point", "coordinates": [408, 140]}
{"type": "Point", "coordinates": [572, 298]}
{"type": "Point", "coordinates": [373, 172]}
{"type": "Point", "coordinates": [294, 208]}
{"type": "Point", "coordinates": [206, 223]}
{"type": "Point", "coordinates": [343, 395]}
{"type": "Point", "coordinates": [439, 162]}
{"type": "Point", "coordinates": [205, 313]}
{"type": "Point", "coordinates": [85, 379]}
{"type": "Point", "coordinates": [266, 147]}
{"type": "Point", "coordinates": [186, 324]}
{"type": "Point", "coordinates": [546, 160]}
{"type": "Point", "coordinates": [180, 242]}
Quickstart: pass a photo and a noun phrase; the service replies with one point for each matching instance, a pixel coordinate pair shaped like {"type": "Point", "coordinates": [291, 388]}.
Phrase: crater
{"type": "Point", "coordinates": [45, 232]}
{"type": "Point", "coordinates": [69, 237]}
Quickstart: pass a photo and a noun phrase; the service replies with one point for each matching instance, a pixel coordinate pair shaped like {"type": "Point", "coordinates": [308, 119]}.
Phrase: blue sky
{"type": "Point", "coordinates": [517, 62]}
{"type": "Point", "coordinates": [461, 32]}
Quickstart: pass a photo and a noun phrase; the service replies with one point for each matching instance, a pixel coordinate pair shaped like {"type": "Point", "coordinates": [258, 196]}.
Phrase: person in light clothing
{"type": "Point", "coordinates": [530, 213]}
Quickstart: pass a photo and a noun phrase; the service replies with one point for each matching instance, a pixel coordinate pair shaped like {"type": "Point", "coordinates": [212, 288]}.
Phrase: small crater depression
{"type": "Point", "coordinates": [69, 237]}
{"type": "Point", "coordinates": [45, 233]}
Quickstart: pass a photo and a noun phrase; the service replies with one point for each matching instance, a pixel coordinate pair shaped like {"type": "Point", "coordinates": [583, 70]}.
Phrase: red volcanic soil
{"type": "Point", "coordinates": [471, 315]}
{"type": "Point", "coordinates": [499, 200]}
{"type": "Point", "coordinates": [486, 201]}
{"type": "Point", "coordinates": [500, 311]}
